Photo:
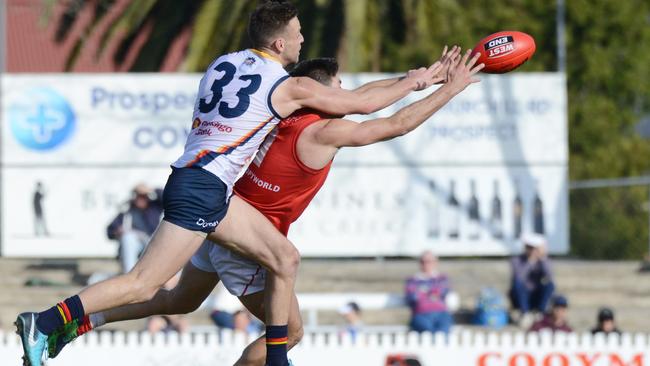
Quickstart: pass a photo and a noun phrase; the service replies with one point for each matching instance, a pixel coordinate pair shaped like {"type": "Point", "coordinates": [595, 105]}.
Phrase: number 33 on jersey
{"type": "Point", "coordinates": [232, 113]}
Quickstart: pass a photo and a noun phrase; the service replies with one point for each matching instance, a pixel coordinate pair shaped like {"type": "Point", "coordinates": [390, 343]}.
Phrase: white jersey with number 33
{"type": "Point", "coordinates": [232, 113]}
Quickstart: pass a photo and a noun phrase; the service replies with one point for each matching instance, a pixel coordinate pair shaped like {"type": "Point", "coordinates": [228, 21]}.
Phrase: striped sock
{"type": "Point", "coordinates": [60, 314]}
{"type": "Point", "coordinates": [85, 326]}
{"type": "Point", "coordinates": [276, 345]}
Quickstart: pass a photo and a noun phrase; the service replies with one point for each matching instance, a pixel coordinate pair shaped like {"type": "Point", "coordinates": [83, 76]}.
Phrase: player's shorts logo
{"type": "Point", "coordinates": [204, 224]}
{"type": "Point", "coordinates": [41, 119]}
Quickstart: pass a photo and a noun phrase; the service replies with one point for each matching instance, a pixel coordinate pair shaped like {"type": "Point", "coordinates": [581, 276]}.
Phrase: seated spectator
{"type": "Point", "coordinates": [606, 322]}
{"type": "Point", "coordinates": [351, 312]}
{"type": "Point", "coordinates": [532, 280]}
{"type": "Point", "coordinates": [556, 319]}
{"type": "Point", "coordinates": [133, 228]}
{"type": "Point", "coordinates": [244, 322]}
{"type": "Point", "coordinates": [425, 294]}
{"type": "Point", "coordinates": [224, 306]}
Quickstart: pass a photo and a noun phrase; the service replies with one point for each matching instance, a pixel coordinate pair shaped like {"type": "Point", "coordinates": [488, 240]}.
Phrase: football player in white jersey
{"type": "Point", "coordinates": [241, 97]}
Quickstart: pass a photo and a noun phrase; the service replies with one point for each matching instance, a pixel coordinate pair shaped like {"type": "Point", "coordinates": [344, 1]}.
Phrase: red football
{"type": "Point", "coordinates": [504, 51]}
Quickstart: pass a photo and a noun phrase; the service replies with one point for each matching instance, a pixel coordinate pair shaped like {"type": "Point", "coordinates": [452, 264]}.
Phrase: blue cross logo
{"type": "Point", "coordinates": [42, 119]}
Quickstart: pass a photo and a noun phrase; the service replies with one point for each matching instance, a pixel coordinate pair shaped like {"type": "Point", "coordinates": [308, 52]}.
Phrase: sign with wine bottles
{"type": "Point", "coordinates": [488, 167]}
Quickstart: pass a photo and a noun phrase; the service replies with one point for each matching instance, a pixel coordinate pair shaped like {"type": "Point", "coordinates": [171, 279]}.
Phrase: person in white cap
{"type": "Point", "coordinates": [532, 280]}
{"type": "Point", "coordinates": [351, 313]}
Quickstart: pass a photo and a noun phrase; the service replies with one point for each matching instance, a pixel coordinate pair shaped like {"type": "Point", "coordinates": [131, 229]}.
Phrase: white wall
{"type": "Point", "coordinates": [460, 349]}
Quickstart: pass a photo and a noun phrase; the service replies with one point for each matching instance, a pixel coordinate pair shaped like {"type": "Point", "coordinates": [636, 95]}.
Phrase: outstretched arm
{"type": "Point", "coordinates": [340, 132]}
{"type": "Point", "coordinates": [441, 77]}
{"type": "Point", "coordinates": [302, 92]}
{"type": "Point", "coordinates": [378, 84]}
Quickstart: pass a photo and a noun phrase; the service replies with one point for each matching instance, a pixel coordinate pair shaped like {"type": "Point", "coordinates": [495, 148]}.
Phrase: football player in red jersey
{"type": "Point", "coordinates": [286, 174]}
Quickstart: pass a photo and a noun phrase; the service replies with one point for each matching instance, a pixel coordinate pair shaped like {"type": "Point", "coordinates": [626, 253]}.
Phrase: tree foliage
{"type": "Point", "coordinates": [608, 72]}
{"type": "Point", "coordinates": [609, 91]}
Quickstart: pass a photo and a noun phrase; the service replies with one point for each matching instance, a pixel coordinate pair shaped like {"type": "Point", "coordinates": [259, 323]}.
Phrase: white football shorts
{"type": "Point", "coordinates": [241, 276]}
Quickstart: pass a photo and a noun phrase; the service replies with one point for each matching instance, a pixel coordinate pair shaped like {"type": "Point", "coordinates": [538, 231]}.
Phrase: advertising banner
{"type": "Point", "coordinates": [487, 167]}
{"type": "Point", "coordinates": [368, 348]}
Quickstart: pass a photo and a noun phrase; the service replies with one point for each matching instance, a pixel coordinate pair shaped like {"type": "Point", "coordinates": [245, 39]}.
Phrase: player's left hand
{"type": "Point", "coordinates": [446, 60]}
{"type": "Point", "coordinates": [436, 73]}
{"type": "Point", "coordinates": [425, 76]}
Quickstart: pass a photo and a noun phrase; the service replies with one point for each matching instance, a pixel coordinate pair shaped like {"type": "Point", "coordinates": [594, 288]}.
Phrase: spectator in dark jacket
{"type": "Point", "coordinates": [556, 319]}
{"type": "Point", "coordinates": [532, 280]}
{"type": "Point", "coordinates": [606, 323]}
{"type": "Point", "coordinates": [133, 228]}
{"type": "Point", "coordinates": [425, 293]}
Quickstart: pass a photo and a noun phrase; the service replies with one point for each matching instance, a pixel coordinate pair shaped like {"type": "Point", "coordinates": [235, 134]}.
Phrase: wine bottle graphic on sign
{"type": "Point", "coordinates": [517, 212]}
{"type": "Point", "coordinates": [496, 221]}
{"type": "Point", "coordinates": [538, 212]}
{"type": "Point", "coordinates": [474, 214]}
{"type": "Point", "coordinates": [433, 212]}
{"type": "Point", "coordinates": [454, 212]}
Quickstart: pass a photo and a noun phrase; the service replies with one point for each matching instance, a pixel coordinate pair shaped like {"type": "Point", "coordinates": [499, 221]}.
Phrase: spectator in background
{"type": "Point", "coordinates": [556, 319]}
{"type": "Point", "coordinates": [425, 294]}
{"type": "Point", "coordinates": [351, 312]}
{"type": "Point", "coordinates": [244, 322]}
{"type": "Point", "coordinates": [606, 322]}
{"type": "Point", "coordinates": [532, 280]}
{"type": "Point", "coordinates": [224, 306]}
{"type": "Point", "coordinates": [133, 228]}
{"type": "Point", "coordinates": [228, 313]}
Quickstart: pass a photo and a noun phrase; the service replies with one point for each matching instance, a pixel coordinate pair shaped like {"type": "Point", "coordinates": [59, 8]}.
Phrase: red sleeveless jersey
{"type": "Point", "coordinates": [277, 183]}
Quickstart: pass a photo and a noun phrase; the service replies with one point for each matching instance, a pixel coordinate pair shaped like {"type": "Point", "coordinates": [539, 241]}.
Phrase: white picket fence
{"type": "Point", "coordinates": [464, 348]}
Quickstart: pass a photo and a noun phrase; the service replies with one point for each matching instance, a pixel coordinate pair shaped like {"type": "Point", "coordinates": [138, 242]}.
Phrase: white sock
{"type": "Point", "coordinates": [97, 320]}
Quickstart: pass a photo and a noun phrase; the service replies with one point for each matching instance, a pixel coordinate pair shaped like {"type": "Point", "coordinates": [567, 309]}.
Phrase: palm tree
{"type": "Point", "coordinates": [365, 35]}
{"type": "Point", "coordinates": [141, 35]}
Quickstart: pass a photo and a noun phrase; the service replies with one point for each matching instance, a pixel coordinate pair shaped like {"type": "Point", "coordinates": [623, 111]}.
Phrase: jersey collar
{"type": "Point", "coordinates": [265, 55]}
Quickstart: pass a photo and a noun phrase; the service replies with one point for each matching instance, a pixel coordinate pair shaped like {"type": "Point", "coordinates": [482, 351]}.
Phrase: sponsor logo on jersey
{"type": "Point", "coordinates": [500, 46]}
{"type": "Point", "coordinates": [41, 119]}
{"type": "Point", "coordinates": [209, 127]}
{"type": "Point", "coordinates": [249, 61]}
{"type": "Point", "coordinates": [261, 183]}
{"type": "Point", "coordinates": [217, 125]}
{"type": "Point", "coordinates": [196, 123]}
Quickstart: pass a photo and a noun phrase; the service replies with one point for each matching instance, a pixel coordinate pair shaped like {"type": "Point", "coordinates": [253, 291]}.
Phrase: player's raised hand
{"type": "Point", "coordinates": [448, 55]}
{"type": "Point", "coordinates": [426, 76]}
{"type": "Point", "coordinates": [463, 71]}
{"type": "Point", "coordinates": [437, 73]}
